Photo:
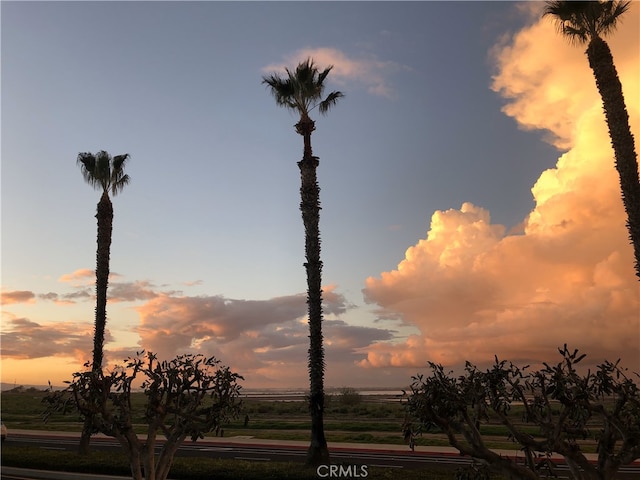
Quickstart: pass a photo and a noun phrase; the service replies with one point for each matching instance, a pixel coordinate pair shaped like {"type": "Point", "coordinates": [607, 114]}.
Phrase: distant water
{"type": "Point", "coordinates": [274, 393]}
{"type": "Point", "coordinates": [397, 392]}
{"type": "Point", "coordinates": [299, 394]}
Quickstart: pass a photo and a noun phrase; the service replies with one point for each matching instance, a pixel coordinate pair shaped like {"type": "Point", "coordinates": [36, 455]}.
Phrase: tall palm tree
{"type": "Point", "coordinates": [301, 91]}
{"type": "Point", "coordinates": [107, 175]}
{"type": "Point", "coordinates": [587, 22]}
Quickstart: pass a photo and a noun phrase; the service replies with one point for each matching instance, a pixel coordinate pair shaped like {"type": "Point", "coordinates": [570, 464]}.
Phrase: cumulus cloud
{"type": "Point", "coordinates": [544, 92]}
{"type": "Point", "coordinates": [25, 296]}
{"type": "Point", "coordinates": [370, 72]}
{"type": "Point", "coordinates": [474, 291]}
{"type": "Point", "coordinates": [265, 340]}
{"type": "Point", "coordinates": [172, 323]}
{"type": "Point", "coordinates": [66, 298]}
{"type": "Point", "coordinates": [83, 277]}
{"type": "Point", "coordinates": [17, 296]}
{"type": "Point", "coordinates": [82, 294]}
{"type": "Point", "coordinates": [276, 354]}
{"type": "Point", "coordinates": [131, 291]}
{"type": "Point", "coordinates": [49, 296]}
{"type": "Point", "coordinates": [83, 281]}
{"type": "Point", "coordinates": [61, 343]}
{"type": "Point", "coordinates": [26, 339]}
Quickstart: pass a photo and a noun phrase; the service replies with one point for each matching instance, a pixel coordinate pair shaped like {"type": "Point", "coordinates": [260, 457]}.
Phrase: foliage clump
{"type": "Point", "coordinates": [185, 397]}
{"type": "Point", "coordinates": [562, 411]}
{"type": "Point", "coordinates": [350, 396]}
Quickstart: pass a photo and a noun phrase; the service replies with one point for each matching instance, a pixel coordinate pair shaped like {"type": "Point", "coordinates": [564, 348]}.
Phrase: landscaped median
{"type": "Point", "coordinates": [198, 468]}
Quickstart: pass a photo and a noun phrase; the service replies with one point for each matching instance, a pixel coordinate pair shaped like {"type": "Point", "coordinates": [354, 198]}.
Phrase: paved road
{"type": "Point", "coordinates": [10, 473]}
{"type": "Point", "coordinates": [247, 448]}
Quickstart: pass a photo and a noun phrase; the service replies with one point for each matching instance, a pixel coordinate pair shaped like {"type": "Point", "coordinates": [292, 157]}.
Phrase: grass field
{"type": "Point", "coordinates": [358, 420]}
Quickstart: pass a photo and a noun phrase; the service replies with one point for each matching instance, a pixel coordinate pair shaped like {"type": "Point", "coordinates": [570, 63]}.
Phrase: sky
{"type": "Point", "coordinates": [470, 207]}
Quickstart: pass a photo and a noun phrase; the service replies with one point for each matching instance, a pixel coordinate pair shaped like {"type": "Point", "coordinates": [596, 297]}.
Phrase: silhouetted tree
{"type": "Point", "coordinates": [186, 397]}
{"type": "Point", "coordinates": [105, 174]}
{"type": "Point", "coordinates": [302, 90]}
{"type": "Point", "coordinates": [565, 407]}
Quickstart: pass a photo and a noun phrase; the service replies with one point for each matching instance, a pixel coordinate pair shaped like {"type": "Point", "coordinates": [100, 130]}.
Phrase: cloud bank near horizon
{"type": "Point", "coordinates": [24, 339]}
{"type": "Point", "coordinates": [473, 291]}
{"type": "Point", "coordinates": [265, 340]}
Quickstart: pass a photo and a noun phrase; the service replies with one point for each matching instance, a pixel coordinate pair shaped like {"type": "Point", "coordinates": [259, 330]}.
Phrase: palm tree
{"type": "Point", "coordinates": [302, 91]}
{"type": "Point", "coordinates": [587, 22]}
{"type": "Point", "coordinates": [107, 175]}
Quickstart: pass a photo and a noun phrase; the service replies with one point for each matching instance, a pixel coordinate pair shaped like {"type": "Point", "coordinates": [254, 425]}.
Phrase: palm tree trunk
{"type": "Point", "coordinates": [318, 452]}
{"type": "Point", "coordinates": [105, 225]}
{"type": "Point", "coordinates": [104, 216]}
{"type": "Point", "coordinates": [610, 88]}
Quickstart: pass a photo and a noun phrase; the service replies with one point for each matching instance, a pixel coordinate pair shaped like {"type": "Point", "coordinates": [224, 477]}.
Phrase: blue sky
{"type": "Point", "coordinates": [212, 208]}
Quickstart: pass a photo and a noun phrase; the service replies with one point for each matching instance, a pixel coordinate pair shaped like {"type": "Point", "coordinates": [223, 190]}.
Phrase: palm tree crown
{"type": "Point", "coordinates": [303, 89]}
{"type": "Point", "coordinates": [581, 21]}
{"type": "Point", "coordinates": [103, 172]}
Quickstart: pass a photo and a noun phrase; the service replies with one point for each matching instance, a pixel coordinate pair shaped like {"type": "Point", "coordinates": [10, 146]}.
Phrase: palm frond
{"type": "Point", "coordinates": [103, 168]}
{"type": "Point", "coordinates": [118, 184]}
{"type": "Point", "coordinates": [302, 89]}
{"type": "Point", "coordinates": [120, 160]}
{"type": "Point", "coordinates": [329, 102]}
{"type": "Point", "coordinates": [324, 74]}
{"type": "Point", "coordinates": [103, 172]}
{"type": "Point", "coordinates": [612, 13]}
{"type": "Point", "coordinates": [279, 86]}
{"type": "Point", "coordinates": [581, 21]}
{"type": "Point", "coordinates": [567, 18]}
{"type": "Point", "coordinates": [119, 179]}
{"type": "Point", "coordinates": [87, 163]}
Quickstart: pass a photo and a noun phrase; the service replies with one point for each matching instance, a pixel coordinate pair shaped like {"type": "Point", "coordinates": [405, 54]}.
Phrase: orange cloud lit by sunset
{"type": "Point", "coordinates": [472, 291]}
{"type": "Point", "coordinates": [82, 276]}
{"type": "Point", "coordinates": [266, 338]}
{"type": "Point", "coordinates": [18, 296]}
